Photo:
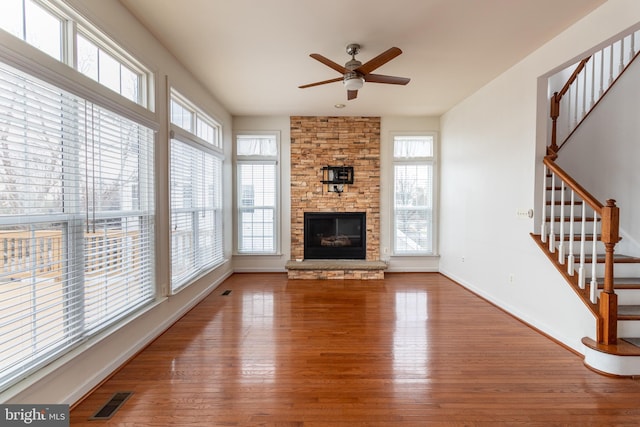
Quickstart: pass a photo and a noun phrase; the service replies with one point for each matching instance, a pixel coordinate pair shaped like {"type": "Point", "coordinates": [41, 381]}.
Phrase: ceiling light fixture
{"type": "Point", "coordinates": [353, 81]}
{"type": "Point", "coordinates": [339, 105]}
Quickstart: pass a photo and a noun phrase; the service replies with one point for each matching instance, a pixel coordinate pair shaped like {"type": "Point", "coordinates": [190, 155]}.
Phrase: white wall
{"type": "Point", "coordinates": [70, 378]}
{"type": "Point", "coordinates": [491, 151]}
{"type": "Point", "coordinates": [388, 125]}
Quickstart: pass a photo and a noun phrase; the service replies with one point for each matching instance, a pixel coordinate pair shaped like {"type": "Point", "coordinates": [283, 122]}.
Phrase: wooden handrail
{"type": "Point", "coordinates": [573, 77]}
{"type": "Point", "coordinates": [555, 103]}
{"type": "Point", "coordinates": [573, 184]}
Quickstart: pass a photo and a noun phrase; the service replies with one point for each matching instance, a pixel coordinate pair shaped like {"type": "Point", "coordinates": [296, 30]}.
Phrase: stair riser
{"type": "Point", "coordinates": [628, 297]}
{"type": "Point", "coordinates": [628, 328]}
{"type": "Point", "coordinates": [620, 270]}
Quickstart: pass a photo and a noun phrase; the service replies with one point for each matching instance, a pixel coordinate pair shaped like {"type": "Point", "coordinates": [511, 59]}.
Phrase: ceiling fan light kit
{"type": "Point", "coordinates": [353, 82]}
{"type": "Point", "coordinates": [354, 73]}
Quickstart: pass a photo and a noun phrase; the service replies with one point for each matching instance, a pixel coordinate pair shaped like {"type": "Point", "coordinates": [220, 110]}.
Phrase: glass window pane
{"type": "Point", "coordinates": [44, 30]}
{"type": "Point", "coordinates": [130, 83]}
{"type": "Point", "coordinates": [108, 71]}
{"type": "Point", "coordinates": [413, 208]}
{"type": "Point", "coordinates": [87, 58]}
{"type": "Point", "coordinates": [11, 17]}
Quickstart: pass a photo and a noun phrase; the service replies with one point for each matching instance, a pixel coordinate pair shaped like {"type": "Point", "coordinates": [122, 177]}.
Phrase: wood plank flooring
{"type": "Point", "coordinates": [411, 350]}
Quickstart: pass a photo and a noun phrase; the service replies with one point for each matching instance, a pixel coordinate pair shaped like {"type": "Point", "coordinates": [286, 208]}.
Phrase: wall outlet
{"type": "Point", "coordinates": [512, 279]}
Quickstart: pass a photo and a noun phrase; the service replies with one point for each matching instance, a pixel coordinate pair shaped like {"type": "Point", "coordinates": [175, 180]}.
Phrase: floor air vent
{"type": "Point", "coordinates": [227, 292]}
{"type": "Point", "coordinates": [109, 409]}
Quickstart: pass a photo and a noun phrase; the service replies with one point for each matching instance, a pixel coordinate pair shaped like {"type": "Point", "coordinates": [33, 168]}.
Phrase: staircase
{"type": "Point", "coordinates": [579, 233]}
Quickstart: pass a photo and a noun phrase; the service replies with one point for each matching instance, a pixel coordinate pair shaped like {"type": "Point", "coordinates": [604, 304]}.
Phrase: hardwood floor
{"type": "Point", "coordinates": [414, 349]}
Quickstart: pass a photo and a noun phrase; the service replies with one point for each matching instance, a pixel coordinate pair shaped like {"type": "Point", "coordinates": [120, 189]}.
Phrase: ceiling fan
{"type": "Point", "coordinates": [355, 73]}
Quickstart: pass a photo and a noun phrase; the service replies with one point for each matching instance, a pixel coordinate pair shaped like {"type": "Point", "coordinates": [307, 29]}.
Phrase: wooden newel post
{"type": "Point", "coordinates": [608, 298]}
{"type": "Point", "coordinates": [554, 113]}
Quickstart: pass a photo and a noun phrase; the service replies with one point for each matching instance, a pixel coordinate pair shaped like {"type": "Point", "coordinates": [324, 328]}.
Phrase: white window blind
{"type": "Point", "coordinates": [196, 212]}
{"type": "Point", "coordinates": [413, 194]}
{"type": "Point", "coordinates": [76, 221]}
{"type": "Point", "coordinates": [257, 193]}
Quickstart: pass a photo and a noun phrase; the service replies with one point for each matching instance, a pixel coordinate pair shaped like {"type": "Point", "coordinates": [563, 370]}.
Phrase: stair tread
{"type": "Point", "coordinates": [629, 312]}
{"type": "Point", "coordinates": [634, 341]}
{"type": "Point", "coordinates": [568, 219]}
{"type": "Point", "coordinates": [622, 282]}
{"type": "Point", "coordinates": [566, 202]}
{"type": "Point", "coordinates": [621, 348]}
{"type": "Point", "coordinates": [617, 259]}
{"type": "Point", "coordinates": [629, 309]}
{"type": "Point", "coordinates": [576, 238]}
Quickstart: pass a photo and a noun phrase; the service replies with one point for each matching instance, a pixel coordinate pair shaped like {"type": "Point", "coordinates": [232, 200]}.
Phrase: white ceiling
{"type": "Point", "coordinates": [253, 54]}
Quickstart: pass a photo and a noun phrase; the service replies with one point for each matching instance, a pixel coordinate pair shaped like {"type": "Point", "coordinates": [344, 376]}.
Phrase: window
{"type": "Point", "coordinates": [257, 194]}
{"type": "Point", "coordinates": [76, 221]}
{"type": "Point", "coordinates": [54, 29]}
{"type": "Point", "coordinates": [189, 118]}
{"type": "Point", "coordinates": [196, 194]}
{"type": "Point", "coordinates": [34, 23]}
{"type": "Point", "coordinates": [413, 206]}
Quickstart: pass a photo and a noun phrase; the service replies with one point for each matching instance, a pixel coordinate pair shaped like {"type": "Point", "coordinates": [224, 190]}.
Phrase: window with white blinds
{"type": "Point", "coordinates": [413, 194]}
{"type": "Point", "coordinates": [196, 212]}
{"type": "Point", "coordinates": [196, 194]}
{"type": "Point", "coordinates": [257, 194]}
{"type": "Point", "coordinates": [76, 221]}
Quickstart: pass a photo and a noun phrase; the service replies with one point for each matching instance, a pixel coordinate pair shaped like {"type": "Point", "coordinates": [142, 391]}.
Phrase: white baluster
{"type": "Point", "coordinates": [593, 80]}
{"type": "Point", "coordinates": [610, 65]}
{"type": "Point", "coordinates": [543, 227]}
{"type": "Point", "coordinates": [570, 258]}
{"type": "Point", "coordinates": [594, 260]}
{"type": "Point", "coordinates": [552, 235]}
{"type": "Point", "coordinates": [584, 92]}
{"type": "Point", "coordinates": [581, 280]}
{"type": "Point", "coordinates": [577, 101]}
{"type": "Point", "coordinates": [601, 73]}
{"type": "Point", "coordinates": [621, 66]}
{"type": "Point", "coordinates": [561, 239]}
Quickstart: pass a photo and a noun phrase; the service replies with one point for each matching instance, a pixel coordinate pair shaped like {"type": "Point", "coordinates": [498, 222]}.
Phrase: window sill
{"type": "Point", "coordinates": [260, 254]}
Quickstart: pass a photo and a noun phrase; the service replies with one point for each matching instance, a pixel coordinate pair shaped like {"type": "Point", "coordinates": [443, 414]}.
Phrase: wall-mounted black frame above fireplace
{"type": "Point", "coordinates": [335, 235]}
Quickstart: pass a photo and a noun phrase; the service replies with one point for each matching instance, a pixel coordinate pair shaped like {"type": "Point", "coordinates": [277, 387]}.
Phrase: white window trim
{"type": "Point", "coordinates": [436, 174]}
{"type": "Point", "coordinates": [236, 199]}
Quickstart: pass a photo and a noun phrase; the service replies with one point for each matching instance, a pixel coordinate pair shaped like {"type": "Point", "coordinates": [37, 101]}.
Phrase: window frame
{"type": "Point", "coordinates": [238, 208]}
{"type": "Point", "coordinates": [183, 136]}
{"type": "Point", "coordinates": [73, 24]}
{"type": "Point", "coordinates": [426, 160]}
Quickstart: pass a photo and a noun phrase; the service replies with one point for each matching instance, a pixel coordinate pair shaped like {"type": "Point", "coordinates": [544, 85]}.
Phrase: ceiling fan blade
{"type": "Point", "coordinates": [352, 94]}
{"type": "Point", "coordinates": [337, 79]}
{"type": "Point", "coordinates": [379, 78]}
{"type": "Point", "coordinates": [379, 60]}
{"type": "Point", "coordinates": [329, 63]}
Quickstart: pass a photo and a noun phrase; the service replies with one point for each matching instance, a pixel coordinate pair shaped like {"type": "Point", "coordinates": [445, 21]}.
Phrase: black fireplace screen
{"type": "Point", "coordinates": [335, 235]}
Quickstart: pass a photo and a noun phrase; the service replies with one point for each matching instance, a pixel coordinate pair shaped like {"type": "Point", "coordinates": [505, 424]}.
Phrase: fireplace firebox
{"type": "Point", "coordinates": [335, 235]}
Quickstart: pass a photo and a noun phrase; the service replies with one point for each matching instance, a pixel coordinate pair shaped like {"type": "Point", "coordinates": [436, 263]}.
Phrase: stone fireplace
{"type": "Point", "coordinates": [317, 142]}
